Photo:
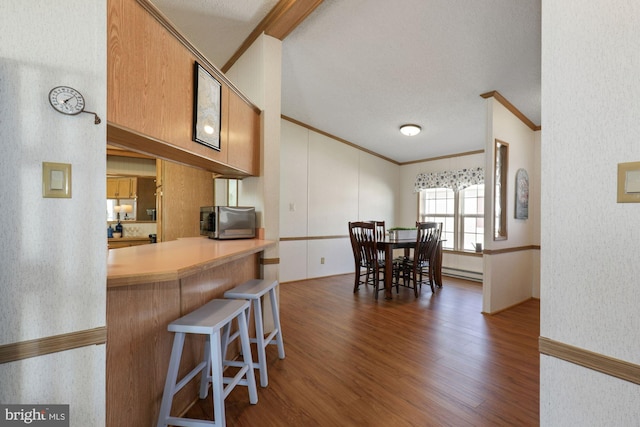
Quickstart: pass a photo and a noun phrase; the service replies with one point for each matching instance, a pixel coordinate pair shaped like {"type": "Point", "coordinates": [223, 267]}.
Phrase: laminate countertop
{"type": "Point", "coordinates": [175, 259]}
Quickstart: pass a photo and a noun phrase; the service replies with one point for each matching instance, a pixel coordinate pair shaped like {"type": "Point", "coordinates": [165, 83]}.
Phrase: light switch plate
{"type": "Point", "coordinates": [56, 180]}
{"type": "Point", "coordinates": [629, 182]}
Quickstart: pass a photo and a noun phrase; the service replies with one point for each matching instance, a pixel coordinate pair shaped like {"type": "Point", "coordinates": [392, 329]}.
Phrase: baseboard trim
{"type": "Point", "coordinates": [493, 313]}
{"type": "Point", "coordinates": [598, 362]}
{"type": "Point", "coordinates": [52, 344]}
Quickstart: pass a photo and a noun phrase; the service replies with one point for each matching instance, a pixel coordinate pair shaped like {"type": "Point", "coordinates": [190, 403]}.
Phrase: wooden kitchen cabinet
{"type": "Point", "coordinates": [243, 127]}
{"type": "Point", "coordinates": [159, 65]}
{"type": "Point", "coordinates": [121, 188]}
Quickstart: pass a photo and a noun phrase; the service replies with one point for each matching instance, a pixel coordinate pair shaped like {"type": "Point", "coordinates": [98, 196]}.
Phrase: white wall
{"type": "Point", "coordinates": [589, 289]}
{"type": "Point", "coordinates": [53, 256]}
{"type": "Point", "coordinates": [258, 75]}
{"type": "Point", "coordinates": [470, 266]}
{"type": "Point", "coordinates": [509, 277]}
{"type": "Point", "coordinates": [324, 185]}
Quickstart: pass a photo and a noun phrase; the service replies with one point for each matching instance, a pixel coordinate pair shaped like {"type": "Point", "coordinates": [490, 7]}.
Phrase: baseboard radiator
{"type": "Point", "coordinates": [475, 276]}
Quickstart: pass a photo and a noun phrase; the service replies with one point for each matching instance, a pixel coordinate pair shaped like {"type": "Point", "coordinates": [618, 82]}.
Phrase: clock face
{"type": "Point", "coordinates": [66, 100]}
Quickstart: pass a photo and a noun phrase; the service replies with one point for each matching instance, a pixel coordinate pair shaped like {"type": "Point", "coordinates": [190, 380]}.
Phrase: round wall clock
{"type": "Point", "coordinates": [66, 100]}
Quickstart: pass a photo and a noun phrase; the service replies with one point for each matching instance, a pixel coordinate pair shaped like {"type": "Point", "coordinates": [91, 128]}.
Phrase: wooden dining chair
{"type": "Point", "coordinates": [381, 234]}
{"type": "Point", "coordinates": [361, 276]}
{"type": "Point", "coordinates": [381, 230]}
{"type": "Point", "coordinates": [366, 248]}
{"type": "Point", "coordinates": [415, 269]}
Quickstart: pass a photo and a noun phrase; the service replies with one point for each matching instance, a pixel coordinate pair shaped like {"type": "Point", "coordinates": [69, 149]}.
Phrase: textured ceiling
{"type": "Point", "coordinates": [216, 27]}
{"type": "Point", "coordinates": [358, 69]}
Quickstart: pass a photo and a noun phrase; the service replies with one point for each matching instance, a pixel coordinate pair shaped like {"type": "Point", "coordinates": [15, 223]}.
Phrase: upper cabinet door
{"type": "Point", "coordinates": [112, 188]}
{"type": "Point", "coordinates": [244, 136]}
{"type": "Point", "coordinates": [121, 188]}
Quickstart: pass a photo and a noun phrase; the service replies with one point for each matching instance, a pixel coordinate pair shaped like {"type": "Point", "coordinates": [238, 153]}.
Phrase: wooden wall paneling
{"type": "Point", "coordinates": [132, 140]}
{"type": "Point", "coordinates": [244, 135]}
{"type": "Point", "coordinates": [138, 350]}
{"type": "Point", "coordinates": [184, 191]}
{"type": "Point", "coordinates": [200, 288]}
{"type": "Point", "coordinates": [150, 79]}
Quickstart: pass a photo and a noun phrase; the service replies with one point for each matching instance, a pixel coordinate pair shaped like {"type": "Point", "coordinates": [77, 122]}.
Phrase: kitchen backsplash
{"type": "Point", "coordinates": [135, 229]}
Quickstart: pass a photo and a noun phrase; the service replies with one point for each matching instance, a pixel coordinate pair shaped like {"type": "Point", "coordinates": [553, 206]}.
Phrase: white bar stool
{"type": "Point", "coordinates": [209, 320]}
{"type": "Point", "coordinates": [253, 290]}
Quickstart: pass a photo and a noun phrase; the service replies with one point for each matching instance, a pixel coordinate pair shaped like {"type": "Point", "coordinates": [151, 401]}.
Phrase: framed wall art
{"type": "Point", "coordinates": [522, 194]}
{"type": "Point", "coordinates": [500, 170]}
{"type": "Point", "coordinates": [206, 108]}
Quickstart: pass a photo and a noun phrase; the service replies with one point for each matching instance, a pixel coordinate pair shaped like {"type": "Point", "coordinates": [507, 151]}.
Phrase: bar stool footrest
{"type": "Point", "coordinates": [195, 371]}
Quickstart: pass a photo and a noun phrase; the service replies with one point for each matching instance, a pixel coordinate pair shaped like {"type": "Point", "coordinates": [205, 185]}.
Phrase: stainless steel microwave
{"type": "Point", "coordinates": [228, 222]}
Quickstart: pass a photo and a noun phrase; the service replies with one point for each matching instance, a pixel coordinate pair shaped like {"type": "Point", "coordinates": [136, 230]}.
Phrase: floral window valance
{"type": "Point", "coordinates": [455, 180]}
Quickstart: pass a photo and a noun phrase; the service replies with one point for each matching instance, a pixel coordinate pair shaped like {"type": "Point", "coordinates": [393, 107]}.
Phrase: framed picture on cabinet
{"type": "Point", "coordinates": [206, 108]}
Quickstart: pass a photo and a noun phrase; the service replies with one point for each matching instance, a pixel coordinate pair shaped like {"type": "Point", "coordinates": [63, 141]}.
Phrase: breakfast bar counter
{"type": "Point", "coordinates": [175, 259]}
{"type": "Point", "coordinates": [148, 287]}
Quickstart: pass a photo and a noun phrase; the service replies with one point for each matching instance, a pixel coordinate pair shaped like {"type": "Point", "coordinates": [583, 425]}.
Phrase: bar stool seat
{"type": "Point", "coordinates": [214, 320]}
{"type": "Point", "coordinates": [253, 290]}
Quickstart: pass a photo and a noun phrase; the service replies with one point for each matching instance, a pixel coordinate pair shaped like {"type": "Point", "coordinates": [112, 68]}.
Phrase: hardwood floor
{"type": "Point", "coordinates": [432, 361]}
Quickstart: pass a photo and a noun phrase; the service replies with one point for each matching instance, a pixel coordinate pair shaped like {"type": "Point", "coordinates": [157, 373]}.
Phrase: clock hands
{"type": "Point", "coordinates": [96, 118]}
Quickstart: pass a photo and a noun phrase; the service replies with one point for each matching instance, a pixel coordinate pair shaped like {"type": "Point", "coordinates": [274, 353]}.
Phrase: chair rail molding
{"type": "Point", "coordinates": [598, 362]}
{"type": "Point", "coordinates": [52, 344]}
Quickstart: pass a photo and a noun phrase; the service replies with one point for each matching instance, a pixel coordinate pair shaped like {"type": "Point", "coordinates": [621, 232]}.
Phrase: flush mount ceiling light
{"type": "Point", "coordinates": [410, 130]}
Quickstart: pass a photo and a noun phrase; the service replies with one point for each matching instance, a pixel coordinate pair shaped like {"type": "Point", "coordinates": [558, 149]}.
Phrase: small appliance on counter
{"type": "Point", "coordinates": [228, 222]}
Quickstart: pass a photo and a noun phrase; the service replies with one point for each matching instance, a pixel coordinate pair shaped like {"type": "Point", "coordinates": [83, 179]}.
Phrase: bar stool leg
{"type": "Point", "coordinates": [262, 355]}
{"type": "Point", "coordinates": [217, 384]}
{"type": "Point", "coordinates": [205, 378]}
{"type": "Point", "coordinates": [246, 356]}
{"type": "Point", "coordinates": [172, 377]}
{"type": "Point", "coordinates": [276, 321]}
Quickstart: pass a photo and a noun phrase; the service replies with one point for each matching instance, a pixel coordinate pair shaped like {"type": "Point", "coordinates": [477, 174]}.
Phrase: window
{"type": "Point", "coordinates": [461, 215]}
{"type": "Point", "coordinates": [438, 205]}
{"type": "Point", "coordinates": [471, 216]}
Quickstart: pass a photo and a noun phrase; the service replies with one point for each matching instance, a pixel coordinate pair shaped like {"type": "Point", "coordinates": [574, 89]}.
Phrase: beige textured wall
{"type": "Point", "coordinates": [53, 255]}
{"type": "Point", "coordinates": [509, 277]}
{"type": "Point", "coordinates": [590, 266]}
